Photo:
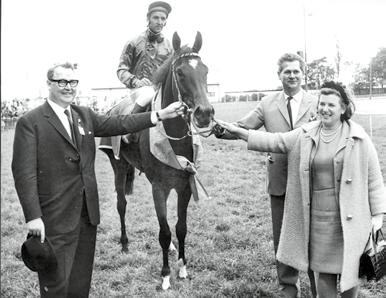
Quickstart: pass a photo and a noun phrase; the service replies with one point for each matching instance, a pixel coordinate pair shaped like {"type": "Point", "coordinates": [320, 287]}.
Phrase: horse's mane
{"type": "Point", "coordinates": [160, 75]}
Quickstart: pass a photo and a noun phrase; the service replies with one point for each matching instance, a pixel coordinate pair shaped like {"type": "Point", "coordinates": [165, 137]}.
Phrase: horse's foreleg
{"type": "Point", "coordinates": [183, 202]}
{"type": "Point", "coordinates": [160, 197]}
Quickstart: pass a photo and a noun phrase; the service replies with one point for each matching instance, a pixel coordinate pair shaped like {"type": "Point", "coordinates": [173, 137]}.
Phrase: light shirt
{"type": "Point", "coordinates": [295, 104]}
{"type": "Point", "coordinates": [153, 117]}
{"type": "Point", "coordinates": [59, 111]}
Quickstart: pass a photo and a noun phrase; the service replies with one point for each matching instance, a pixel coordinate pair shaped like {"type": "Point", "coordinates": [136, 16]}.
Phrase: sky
{"type": "Point", "coordinates": [242, 40]}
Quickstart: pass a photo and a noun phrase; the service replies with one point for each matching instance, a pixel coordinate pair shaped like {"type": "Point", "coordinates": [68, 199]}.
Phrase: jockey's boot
{"type": "Point", "coordinates": [133, 137]}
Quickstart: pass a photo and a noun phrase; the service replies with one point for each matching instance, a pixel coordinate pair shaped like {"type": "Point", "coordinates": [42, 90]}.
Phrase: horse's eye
{"type": "Point", "coordinates": [180, 73]}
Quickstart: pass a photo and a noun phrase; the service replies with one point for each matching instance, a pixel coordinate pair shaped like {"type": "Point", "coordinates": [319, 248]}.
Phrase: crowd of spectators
{"type": "Point", "coordinates": [13, 109]}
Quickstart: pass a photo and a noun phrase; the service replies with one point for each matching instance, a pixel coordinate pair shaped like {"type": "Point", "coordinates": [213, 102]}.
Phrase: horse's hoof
{"type": "Point", "coordinates": [172, 248]}
{"type": "Point", "coordinates": [182, 273]}
{"type": "Point", "coordinates": [125, 249]}
{"type": "Point", "coordinates": [166, 282]}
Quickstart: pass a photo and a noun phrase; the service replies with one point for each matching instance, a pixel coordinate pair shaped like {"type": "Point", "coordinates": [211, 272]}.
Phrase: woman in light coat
{"type": "Point", "coordinates": [335, 193]}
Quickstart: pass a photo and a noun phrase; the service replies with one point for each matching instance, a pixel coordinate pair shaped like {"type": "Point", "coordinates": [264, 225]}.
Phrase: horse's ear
{"type": "Point", "coordinates": [176, 41]}
{"type": "Point", "coordinates": [197, 43]}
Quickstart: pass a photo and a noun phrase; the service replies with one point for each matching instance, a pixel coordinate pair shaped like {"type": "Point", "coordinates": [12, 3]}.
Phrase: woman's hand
{"type": "Point", "coordinates": [228, 126]}
{"type": "Point", "coordinates": [377, 222]}
{"type": "Point", "coordinates": [234, 129]}
{"type": "Point", "coordinates": [171, 111]}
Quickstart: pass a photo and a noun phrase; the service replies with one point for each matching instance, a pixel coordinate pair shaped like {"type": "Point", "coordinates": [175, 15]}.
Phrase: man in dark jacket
{"type": "Point", "coordinates": [53, 169]}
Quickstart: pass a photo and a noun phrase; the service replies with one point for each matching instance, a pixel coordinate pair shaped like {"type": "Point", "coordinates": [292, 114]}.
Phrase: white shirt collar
{"type": "Point", "coordinates": [57, 108]}
{"type": "Point", "coordinates": [295, 104]}
{"type": "Point", "coordinates": [297, 97]}
{"type": "Point", "coordinates": [59, 111]}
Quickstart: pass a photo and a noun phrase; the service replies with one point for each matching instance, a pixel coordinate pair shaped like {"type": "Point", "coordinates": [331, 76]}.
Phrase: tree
{"type": "Point", "coordinates": [364, 76]}
{"type": "Point", "coordinates": [378, 67]}
{"type": "Point", "coordinates": [255, 97]}
{"type": "Point", "coordinates": [319, 71]}
{"type": "Point", "coordinates": [361, 80]}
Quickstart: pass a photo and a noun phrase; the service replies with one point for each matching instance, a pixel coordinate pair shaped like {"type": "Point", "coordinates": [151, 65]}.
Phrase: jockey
{"type": "Point", "coordinates": [143, 55]}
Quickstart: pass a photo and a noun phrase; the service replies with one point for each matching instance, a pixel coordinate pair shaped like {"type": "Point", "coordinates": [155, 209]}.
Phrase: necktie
{"type": "Point", "coordinates": [290, 110]}
{"type": "Point", "coordinates": [71, 126]}
{"type": "Point", "coordinates": [152, 37]}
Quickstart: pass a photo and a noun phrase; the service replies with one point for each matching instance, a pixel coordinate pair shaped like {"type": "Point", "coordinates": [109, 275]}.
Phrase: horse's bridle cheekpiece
{"type": "Point", "coordinates": [188, 111]}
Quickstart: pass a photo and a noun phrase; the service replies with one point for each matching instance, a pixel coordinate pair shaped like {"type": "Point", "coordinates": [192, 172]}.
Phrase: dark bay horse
{"type": "Point", "coordinates": [183, 77]}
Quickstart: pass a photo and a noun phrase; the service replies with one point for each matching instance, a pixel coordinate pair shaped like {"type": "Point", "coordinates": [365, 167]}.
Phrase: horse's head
{"type": "Point", "coordinates": [190, 81]}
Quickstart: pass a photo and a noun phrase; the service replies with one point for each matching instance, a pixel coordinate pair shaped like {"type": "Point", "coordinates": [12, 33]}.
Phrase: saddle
{"type": "Point", "coordinates": [124, 107]}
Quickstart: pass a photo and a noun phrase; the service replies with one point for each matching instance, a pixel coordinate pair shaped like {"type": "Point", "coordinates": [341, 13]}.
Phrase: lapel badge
{"type": "Point", "coordinates": [81, 130]}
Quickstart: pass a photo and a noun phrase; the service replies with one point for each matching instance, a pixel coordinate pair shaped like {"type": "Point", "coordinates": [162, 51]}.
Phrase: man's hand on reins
{"type": "Point", "coordinates": [173, 110]}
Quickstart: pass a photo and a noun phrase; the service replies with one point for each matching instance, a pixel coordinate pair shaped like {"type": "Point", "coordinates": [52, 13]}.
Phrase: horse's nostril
{"type": "Point", "coordinates": [204, 111]}
{"type": "Point", "coordinates": [200, 122]}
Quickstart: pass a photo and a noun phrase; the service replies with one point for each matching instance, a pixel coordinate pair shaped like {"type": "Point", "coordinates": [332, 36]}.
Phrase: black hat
{"type": "Point", "coordinates": [38, 256]}
{"type": "Point", "coordinates": [159, 6]}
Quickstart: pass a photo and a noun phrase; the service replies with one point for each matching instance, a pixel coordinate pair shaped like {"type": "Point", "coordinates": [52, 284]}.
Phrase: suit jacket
{"type": "Point", "coordinates": [272, 113]}
{"type": "Point", "coordinates": [52, 175]}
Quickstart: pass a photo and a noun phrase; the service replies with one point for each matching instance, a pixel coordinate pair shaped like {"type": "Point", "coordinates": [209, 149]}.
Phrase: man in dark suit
{"type": "Point", "coordinates": [280, 112]}
{"type": "Point", "coordinates": [53, 169]}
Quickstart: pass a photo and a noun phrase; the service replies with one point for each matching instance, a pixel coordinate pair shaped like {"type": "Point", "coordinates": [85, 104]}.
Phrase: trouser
{"type": "Point", "coordinates": [287, 276]}
{"type": "Point", "coordinates": [327, 286]}
{"type": "Point", "coordinates": [143, 95]}
{"type": "Point", "coordinates": [75, 256]}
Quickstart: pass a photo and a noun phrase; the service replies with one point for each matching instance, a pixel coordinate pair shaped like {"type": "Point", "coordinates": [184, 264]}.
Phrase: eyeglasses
{"type": "Point", "coordinates": [64, 83]}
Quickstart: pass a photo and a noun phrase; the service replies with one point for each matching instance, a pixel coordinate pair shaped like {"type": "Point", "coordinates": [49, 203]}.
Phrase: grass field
{"type": "Point", "coordinates": [229, 246]}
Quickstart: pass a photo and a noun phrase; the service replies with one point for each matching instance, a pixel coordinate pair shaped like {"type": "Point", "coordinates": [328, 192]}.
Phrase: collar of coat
{"type": "Point", "coordinates": [354, 130]}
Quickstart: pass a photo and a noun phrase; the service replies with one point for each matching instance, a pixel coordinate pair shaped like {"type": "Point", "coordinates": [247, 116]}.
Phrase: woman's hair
{"type": "Point", "coordinates": [331, 87]}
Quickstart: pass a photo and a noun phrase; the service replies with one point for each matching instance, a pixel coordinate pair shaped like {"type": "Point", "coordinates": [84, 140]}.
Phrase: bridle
{"type": "Point", "coordinates": [188, 111]}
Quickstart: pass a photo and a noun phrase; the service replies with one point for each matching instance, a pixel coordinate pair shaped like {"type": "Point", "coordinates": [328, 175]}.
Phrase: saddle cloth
{"type": "Point", "coordinates": [161, 149]}
{"type": "Point", "coordinates": [160, 146]}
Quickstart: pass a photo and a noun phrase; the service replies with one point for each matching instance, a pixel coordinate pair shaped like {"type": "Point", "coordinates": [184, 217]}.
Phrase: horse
{"type": "Point", "coordinates": [183, 77]}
